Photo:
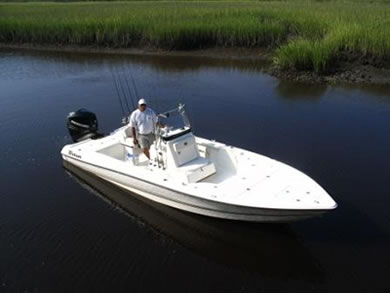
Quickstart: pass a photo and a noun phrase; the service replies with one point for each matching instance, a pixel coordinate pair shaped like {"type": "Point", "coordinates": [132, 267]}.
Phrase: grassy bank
{"type": "Point", "coordinates": [302, 34]}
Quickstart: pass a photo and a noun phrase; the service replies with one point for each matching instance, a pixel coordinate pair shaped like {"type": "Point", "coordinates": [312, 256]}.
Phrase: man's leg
{"type": "Point", "coordinates": [145, 142]}
{"type": "Point", "coordinates": [146, 152]}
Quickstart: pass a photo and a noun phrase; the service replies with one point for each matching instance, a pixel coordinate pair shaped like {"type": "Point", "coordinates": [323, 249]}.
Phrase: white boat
{"type": "Point", "coordinates": [201, 176]}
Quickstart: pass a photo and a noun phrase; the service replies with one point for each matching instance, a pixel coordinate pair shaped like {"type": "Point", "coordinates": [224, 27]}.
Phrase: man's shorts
{"type": "Point", "coordinates": [145, 140]}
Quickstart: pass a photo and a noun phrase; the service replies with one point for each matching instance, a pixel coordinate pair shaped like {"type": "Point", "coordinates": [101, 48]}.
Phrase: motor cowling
{"type": "Point", "coordinates": [82, 124]}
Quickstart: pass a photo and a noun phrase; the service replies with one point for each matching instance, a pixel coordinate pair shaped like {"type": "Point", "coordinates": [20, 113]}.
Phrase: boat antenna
{"type": "Point", "coordinates": [188, 111]}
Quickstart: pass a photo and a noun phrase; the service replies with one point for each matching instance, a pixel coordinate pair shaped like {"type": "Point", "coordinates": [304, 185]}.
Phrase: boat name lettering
{"type": "Point", "coordinates": [74, 155]}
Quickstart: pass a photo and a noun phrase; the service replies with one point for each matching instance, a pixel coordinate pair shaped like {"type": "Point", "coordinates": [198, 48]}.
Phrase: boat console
{"type": "Point", "coordinates": [176, 148]}
{"type": "Point", "coordinates": [169, 133]}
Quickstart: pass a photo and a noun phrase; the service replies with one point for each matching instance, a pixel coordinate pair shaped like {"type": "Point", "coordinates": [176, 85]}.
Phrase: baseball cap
{"type": "Point", "coordinates": [141, 102]}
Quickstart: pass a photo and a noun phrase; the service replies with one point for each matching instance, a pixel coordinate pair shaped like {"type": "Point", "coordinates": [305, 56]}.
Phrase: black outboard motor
{"type": "Point", "coordinates": [82, 124]}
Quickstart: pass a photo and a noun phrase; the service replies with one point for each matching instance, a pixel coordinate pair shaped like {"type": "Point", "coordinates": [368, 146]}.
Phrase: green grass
{"type": "Point", "coordinates": [302, 34]}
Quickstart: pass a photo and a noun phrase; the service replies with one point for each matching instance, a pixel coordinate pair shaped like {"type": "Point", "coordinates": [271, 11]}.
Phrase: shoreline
{"type": "Point", "coordinates": [357, 72]}
{"type": "Point", "coordinates": [237, 53]}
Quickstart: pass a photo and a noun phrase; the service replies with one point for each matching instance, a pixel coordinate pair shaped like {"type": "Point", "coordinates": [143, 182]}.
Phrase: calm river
{"type": "Point", "coordinates": [66, 232]}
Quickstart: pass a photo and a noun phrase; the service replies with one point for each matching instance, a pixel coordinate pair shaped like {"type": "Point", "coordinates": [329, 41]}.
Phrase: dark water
{"type": "Point", "coordinates": [57, 234]}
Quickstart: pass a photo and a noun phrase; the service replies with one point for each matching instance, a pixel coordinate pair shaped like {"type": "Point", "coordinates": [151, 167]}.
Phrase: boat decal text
{"type": "Point", "coordinates": [74, 155]}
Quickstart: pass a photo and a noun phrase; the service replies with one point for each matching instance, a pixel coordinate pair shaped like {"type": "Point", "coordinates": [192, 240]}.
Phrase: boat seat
{"type": "Point", "coordinates": [197, 169]}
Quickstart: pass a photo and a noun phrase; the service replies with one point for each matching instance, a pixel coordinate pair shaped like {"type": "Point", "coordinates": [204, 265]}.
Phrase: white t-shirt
{"type": "Point", "coordinates": [143, 122]}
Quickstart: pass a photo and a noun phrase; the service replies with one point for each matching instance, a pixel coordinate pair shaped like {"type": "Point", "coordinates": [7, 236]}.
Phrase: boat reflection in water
{"type": "Point", "coordinates": [270, 249]}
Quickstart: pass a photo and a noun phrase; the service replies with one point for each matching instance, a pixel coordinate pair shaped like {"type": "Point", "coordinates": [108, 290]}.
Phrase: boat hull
{"type": "Point", "coordinates": [186, 202]}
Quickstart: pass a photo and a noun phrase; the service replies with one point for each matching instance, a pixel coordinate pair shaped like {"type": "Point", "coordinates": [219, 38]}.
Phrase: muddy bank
{"type": "Point", "coordinates": [347, 69]}
{"type": "Point", "coordinates": [347, 73]}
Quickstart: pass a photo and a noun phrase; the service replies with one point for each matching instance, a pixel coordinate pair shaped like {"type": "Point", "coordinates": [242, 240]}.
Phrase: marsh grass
{"type": "Point", "coordinates": [303, 34]}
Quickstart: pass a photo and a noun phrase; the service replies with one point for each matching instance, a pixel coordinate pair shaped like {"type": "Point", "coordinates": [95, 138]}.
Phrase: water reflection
{"type": "Point", "coordinates": [379, 92]}
{"type": "Point", "coordinates": [164, 63]}
{"type": "Point", "coordinates": [273, 249]}
{"type": "Point", "coordinates": [68, 62]}
{"type": "Point", "coordinates": [307, 92]}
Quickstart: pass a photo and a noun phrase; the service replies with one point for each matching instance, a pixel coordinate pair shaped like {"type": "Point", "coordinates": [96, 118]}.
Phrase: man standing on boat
{"type": "Point", "coordinates": [143, 121]}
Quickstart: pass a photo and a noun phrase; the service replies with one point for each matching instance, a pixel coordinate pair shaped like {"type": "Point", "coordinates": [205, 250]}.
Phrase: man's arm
{"type": "Point", "coordinates": [135, 141]}
{"type": "Point", "coordinates": [156, 120]}
{"type": "Point", "coordinates": [132, 124]}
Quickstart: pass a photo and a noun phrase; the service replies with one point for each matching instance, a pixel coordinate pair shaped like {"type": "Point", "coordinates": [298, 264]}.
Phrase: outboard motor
{"type": "Point", "coordinates": [82, 124]}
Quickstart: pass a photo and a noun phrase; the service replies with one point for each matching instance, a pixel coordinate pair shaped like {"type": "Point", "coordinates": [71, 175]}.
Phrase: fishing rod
{"type": "Point", "coordinates": [130, 92]}
{"type": "Point", "coordinates": [117, 92]}
{"type": "Point", "coordinates": [153, 96]}
{"type": "Point", "coordinates": [123, 91]}
{"type": "Point", "coordinates": [132, 80]}
{"type": "Point", "coordinates": [130, 73]}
